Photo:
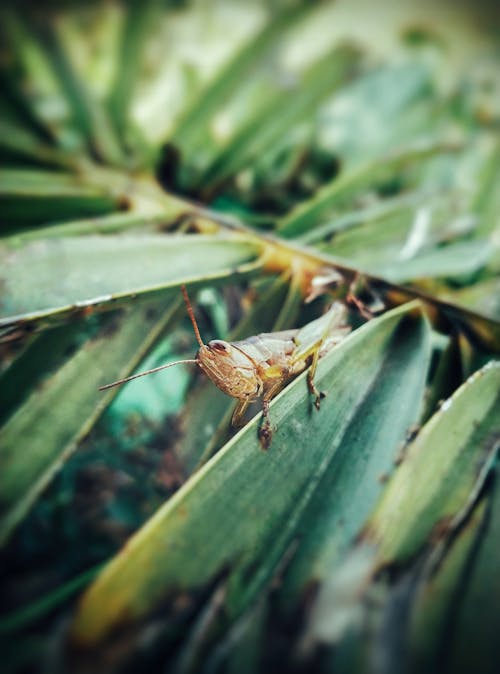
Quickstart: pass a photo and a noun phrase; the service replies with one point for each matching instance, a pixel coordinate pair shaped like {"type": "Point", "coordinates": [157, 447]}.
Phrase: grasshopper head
{"type": "Point", "coordinates": [230, 369]}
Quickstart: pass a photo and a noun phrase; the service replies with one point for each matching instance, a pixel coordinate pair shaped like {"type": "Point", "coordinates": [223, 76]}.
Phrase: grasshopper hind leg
{"type": "Point", "coordinates": [318, 395]}
{"type": "Point", "coordinates": [313, 390]}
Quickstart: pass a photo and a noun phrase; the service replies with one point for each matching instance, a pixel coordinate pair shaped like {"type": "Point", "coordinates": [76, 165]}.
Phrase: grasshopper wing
{"type": "Point", "coordinates": [323, 333]}
{"type": "Point", "coordinates": [269, 347]}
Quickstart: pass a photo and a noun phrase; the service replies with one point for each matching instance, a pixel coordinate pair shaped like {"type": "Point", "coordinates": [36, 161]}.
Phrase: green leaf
{"type": "Point", "coordinates": [437, 596]}
{"type": "Point", "coordinates": [483, 297]}
{"type": "Point", "coordinates": [285, 110]}
{"type": "Point", "coordinates": [407, 106]}
{"type": "Point", "coordinates": [89, 115]}
{"type": "Point", "coordinates": [459, 260]}
{"type": "Point", "coordinates": [30, 79]}
{"type": "Point", "coordinates": [31, 196]}
{"type": "Point", "coordinates": [475, 638]}
{"type": "Point", "coordinates": [356, 476]}
{"type": "Point", "coordinates": [18, 143]}
{"type": "Point", "coordinates": [487, 202]}
{"type": "Point", "coordinates": [21, 112]}
{"type": "Point", "coordinates": [446, 377]}
{"type": "Point", "coordinates": [431, 492]}
{"type": "Point", "coordinates": [40, 356]}
{"type": "Point", "coordinates": [241, 489]}
{"type": "Point", "coordinates": [103, 224]}
{"type": "Point", "coordinates": [32, 183]}
{"type": "Point", "coordinates": [98, 270]}
{"type": "Point", "coordinates": [380, 211]}
{"type": "Point", "coordinates": [309, 214]}
{"type": "Point", "coordinates": [45, 429]}
{"type": "Point", "coordinates": [197, 117]}
{"type": "Point", "coordinates": [442, 471]}
{"type": "Point", "coordinates": [224, 577]}
{"type": "Point", "coordinates": [410, 240]}
{"type": "Point", "coordinates": [138, 22]}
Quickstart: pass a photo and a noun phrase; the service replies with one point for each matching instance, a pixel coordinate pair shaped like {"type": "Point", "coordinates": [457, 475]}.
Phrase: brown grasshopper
{"type": "Point", "coordinates": [262, 365]}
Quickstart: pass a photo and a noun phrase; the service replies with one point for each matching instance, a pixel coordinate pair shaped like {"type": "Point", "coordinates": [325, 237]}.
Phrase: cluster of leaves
{"type": "Point", "coordinates": [247, 153]}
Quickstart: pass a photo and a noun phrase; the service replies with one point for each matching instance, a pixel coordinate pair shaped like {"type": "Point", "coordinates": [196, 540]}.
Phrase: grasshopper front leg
{"type": "Point", "coordinates": [265, 430]}
{"type": "Point", "coordinates": [238, 414]}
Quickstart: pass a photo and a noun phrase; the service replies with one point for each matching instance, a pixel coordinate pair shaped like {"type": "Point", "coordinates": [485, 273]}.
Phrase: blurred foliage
{"type": "Point", "coordinates": [261, 153]}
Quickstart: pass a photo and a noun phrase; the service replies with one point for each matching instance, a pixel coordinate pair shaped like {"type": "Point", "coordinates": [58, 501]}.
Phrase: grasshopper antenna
{"type": "Point", "coordinates": [191, 315]}
{"type": "Point", "coordinates": [164, 367]}
{"type": "Point", "coordinates": [142, 374]}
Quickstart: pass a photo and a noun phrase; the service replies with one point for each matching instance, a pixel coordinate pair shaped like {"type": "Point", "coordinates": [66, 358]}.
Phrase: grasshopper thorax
{"type": "Point", "coordinates": [230, 369]}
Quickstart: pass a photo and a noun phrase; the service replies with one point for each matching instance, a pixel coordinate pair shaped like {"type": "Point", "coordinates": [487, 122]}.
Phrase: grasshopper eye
{"type": "Point", "coordinates": [219, 346]}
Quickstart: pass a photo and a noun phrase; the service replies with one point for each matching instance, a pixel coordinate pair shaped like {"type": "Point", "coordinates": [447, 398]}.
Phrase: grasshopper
{"type": "Point", "coordinates": [262, 365]}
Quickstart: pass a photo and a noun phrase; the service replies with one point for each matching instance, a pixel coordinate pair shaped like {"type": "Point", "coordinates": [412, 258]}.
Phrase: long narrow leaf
{"type": "Point", "coordinates": [191, 539]}
{"type": "Point", "coordinates": [439, 593]}
{"type": "Point", "coordinates": [98, 270]}
{"type": "Point", "coordinates": [356, 477]}
{"type": "Point", "coordinates": [443, 470]}
{"type": "Point", "coordinates": [137, 25]}
{"type": "Point", "coordinates": [199, 113]}
{"type": "Point", "coordinates": [475, 639]}
{"type": "Point", "coordinates": [45, 429]}
{"type": "Point", "coordinates": [309, 213]}
{"type": "Point", "coordinates": [89, 114]}
{"type": "Point", "coordinates": [285, 110]}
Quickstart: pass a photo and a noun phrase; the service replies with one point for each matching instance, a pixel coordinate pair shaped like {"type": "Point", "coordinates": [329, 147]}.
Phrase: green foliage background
{"type": "Point", "coordinates": [249, 149]}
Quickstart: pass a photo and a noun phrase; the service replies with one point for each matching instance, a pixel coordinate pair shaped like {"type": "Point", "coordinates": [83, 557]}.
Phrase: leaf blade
{"type": "Point", "coordinates": [442, 470]}
{"type": "Point", "coordinates": [57, 414]}
{"type": "Point", "coordinates": [227, 493]}
{"type": "Point", "coordinates": [98, 270]}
